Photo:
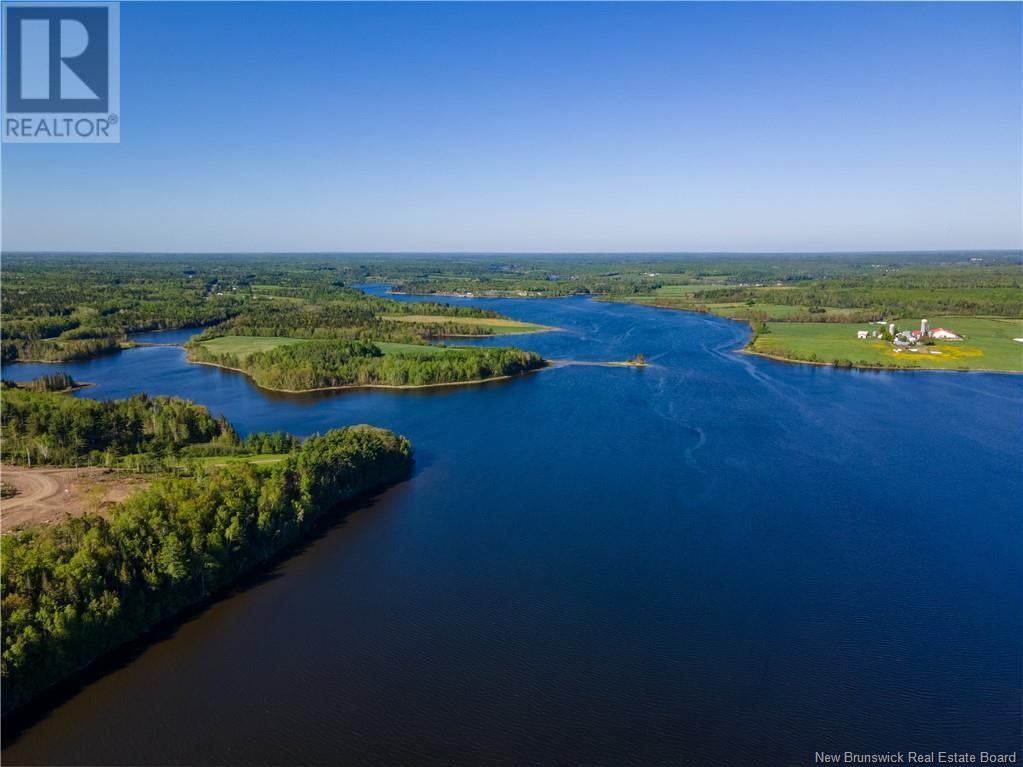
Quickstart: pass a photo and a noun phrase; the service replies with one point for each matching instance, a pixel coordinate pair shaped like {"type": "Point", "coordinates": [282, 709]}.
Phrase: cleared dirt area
{"type": "Point", "coordinates": [48, 495]}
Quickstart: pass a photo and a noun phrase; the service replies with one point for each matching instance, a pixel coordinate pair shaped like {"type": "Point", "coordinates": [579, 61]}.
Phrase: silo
{"type": "Point", "coordinates": [925, 327]}
{"type": "Point", "coordinates": [891, 328]}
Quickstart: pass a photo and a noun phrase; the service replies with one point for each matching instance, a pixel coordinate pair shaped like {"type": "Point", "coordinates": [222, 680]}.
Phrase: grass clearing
{"type": "Point", "coordinates": [773, 311]}
{"type": "Point", "coordinates": [681, 291]}
{"type": "Point", "coordinates": [224, 460]}
{"type": "Point", "coordinates": [987, 344]}
{"type": "Point", "coordinates": [243, 346]}
{"type": "Point", "coordinates": [498, 326]}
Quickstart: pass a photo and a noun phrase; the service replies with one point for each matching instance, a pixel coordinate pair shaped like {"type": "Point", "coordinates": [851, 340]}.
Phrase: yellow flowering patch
{"type": "Point", "coordinates": [947, 352]}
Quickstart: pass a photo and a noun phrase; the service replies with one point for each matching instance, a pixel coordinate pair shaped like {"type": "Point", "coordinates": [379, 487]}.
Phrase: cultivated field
{"type": "Point", "coordinates": [773, 311]}
{"type": "Point", "coordinates": [987, 344]}
{"type": "Point", "coordinates": [243, 346]}
{"type": "Point", "coordinates": [731, 309]}
{"type": "Point", "coordinates": [681, 291]}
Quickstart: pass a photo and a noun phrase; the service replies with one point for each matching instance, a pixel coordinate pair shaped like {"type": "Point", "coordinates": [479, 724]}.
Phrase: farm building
{"type": "Point", "coordinates": [945, 335]}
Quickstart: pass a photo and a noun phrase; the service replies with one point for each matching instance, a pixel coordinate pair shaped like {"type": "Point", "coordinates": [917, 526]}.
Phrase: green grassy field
{"type": "Point", "coordinates": [734, 310]}
{"type": "Point", "coordinates": [773, 311]}
{"type": "Point", "coordinates": [496, 326]}
{"type": "Point", "coordinates": [243, 346]}
{"type": "Point", "coordinates": [681, 291]}
{"type": "Point", "coordinates": [987, 344]}
{"type": "Point", "coordinates": [224, 460]}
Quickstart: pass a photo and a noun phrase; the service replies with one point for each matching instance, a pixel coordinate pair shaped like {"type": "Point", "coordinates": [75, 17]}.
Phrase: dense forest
{"type": "Point", "coordinates": [348, 314]}
{"type": "Point", "coordinates": [75, 590]}
{"type": "Point", "coordinates": [547, 286]}
{"type": "Point", "coordinates": [323, 364]}
{"type": "Point", "coordinates": [889, 284]}
{"type": "Point", "coordinates": [879, 297]}
{"type": "Point", "coordinates": [58, 429]}
{"type": "Point", "coordinates": [59, 308]}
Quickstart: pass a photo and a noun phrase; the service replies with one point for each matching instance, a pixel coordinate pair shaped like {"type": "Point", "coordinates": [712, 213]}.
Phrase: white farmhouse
{"type": "Point", "coordinates": [861, 333]}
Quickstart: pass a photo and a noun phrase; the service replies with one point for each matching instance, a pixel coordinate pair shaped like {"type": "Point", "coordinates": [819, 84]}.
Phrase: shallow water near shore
{"type": "Point", "coordinates": [718, 559]}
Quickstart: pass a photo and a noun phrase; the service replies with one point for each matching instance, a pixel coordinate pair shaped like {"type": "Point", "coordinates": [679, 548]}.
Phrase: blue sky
{"type": "Point", "coordinates": [541, 126]}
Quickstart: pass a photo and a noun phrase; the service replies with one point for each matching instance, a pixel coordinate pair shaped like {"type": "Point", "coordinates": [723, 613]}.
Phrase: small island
{"type": "Point", "coordinates": [52, 382]}
{"type": "Point", "coordinates": [639, 361]}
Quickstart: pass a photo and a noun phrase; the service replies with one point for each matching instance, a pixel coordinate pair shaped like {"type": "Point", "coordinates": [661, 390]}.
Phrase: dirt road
{"type": "Point", "coordinates": [48, 495]}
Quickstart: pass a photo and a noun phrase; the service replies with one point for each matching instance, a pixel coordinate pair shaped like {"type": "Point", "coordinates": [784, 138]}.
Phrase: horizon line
{"type": "Point", "coordinates": [893, 251]}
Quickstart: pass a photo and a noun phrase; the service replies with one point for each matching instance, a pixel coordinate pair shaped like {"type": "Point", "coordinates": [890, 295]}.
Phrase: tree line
{"type": "Point", "coordinates": [877, 299]}
{"type": "Point", "coordinates": [348, 315]}
{"type": "Point", "coordinates": [322, 364]}
{"type": "Point", "coordinates": [58, 308]}
{"type": "Point", "coordinates": [53, 428]}
{"type": "Point", "coordinates": [68, 307]}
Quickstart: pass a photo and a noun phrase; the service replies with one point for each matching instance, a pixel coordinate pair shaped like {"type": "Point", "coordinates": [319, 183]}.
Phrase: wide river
{"type": "Point", "coordinates": [719, 559]}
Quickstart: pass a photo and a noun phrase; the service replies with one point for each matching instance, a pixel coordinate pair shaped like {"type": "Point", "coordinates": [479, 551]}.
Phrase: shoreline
{"type": "Point", "coordinates": [543, 329]}
{"type": "Point", "coordinates": [882, 369]}
{"type": "Point", "coordinates": [501, 295]}
{"type": "Point", "coordinates": [30, 711]}
{"type": "Point", "coordinates": [599, 364]}
{"type": "Point", "coordinates": [747, 349]}
{"type": "Point", "coordinates": [350, 387]}
{"type": "Point", "coordinates": [68, 390]}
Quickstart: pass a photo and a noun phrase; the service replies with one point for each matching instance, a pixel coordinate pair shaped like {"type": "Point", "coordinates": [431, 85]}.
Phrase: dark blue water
{"type": "Point", "coordinates": [717, 560]}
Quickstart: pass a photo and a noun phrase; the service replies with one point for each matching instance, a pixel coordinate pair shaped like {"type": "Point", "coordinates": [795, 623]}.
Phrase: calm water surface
{"type": "Point", "coordinates": [717, 560]}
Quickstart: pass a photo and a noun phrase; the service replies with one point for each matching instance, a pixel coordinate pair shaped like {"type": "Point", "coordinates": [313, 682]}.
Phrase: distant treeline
{"type": "Point", "coordinates": [55, 311]}
{"type": "Point", "coordinates": [56, 350]}
{"type": "Point", "coordinates": [350, 315]}
{"type": "Point", "coordinates": [65, 307]}
{"type": "Point", "coordinates": [323, 364]}
{"type": "Point", "coordinates": [552, 286]}
{"type": "Point", "coordinates": [877, 300]}
{"type": "Point", "coordinates": [78, 589]}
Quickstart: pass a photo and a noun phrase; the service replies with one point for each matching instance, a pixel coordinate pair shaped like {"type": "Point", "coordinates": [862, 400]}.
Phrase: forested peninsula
{"type": "Point", "coordinates": [304, 365]}
{"type": "Point", "coordinates": [75, 590]}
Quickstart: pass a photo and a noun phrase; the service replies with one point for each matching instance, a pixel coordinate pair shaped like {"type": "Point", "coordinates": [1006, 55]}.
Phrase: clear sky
{"type": "Point", "coordinates": [519, 127]}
